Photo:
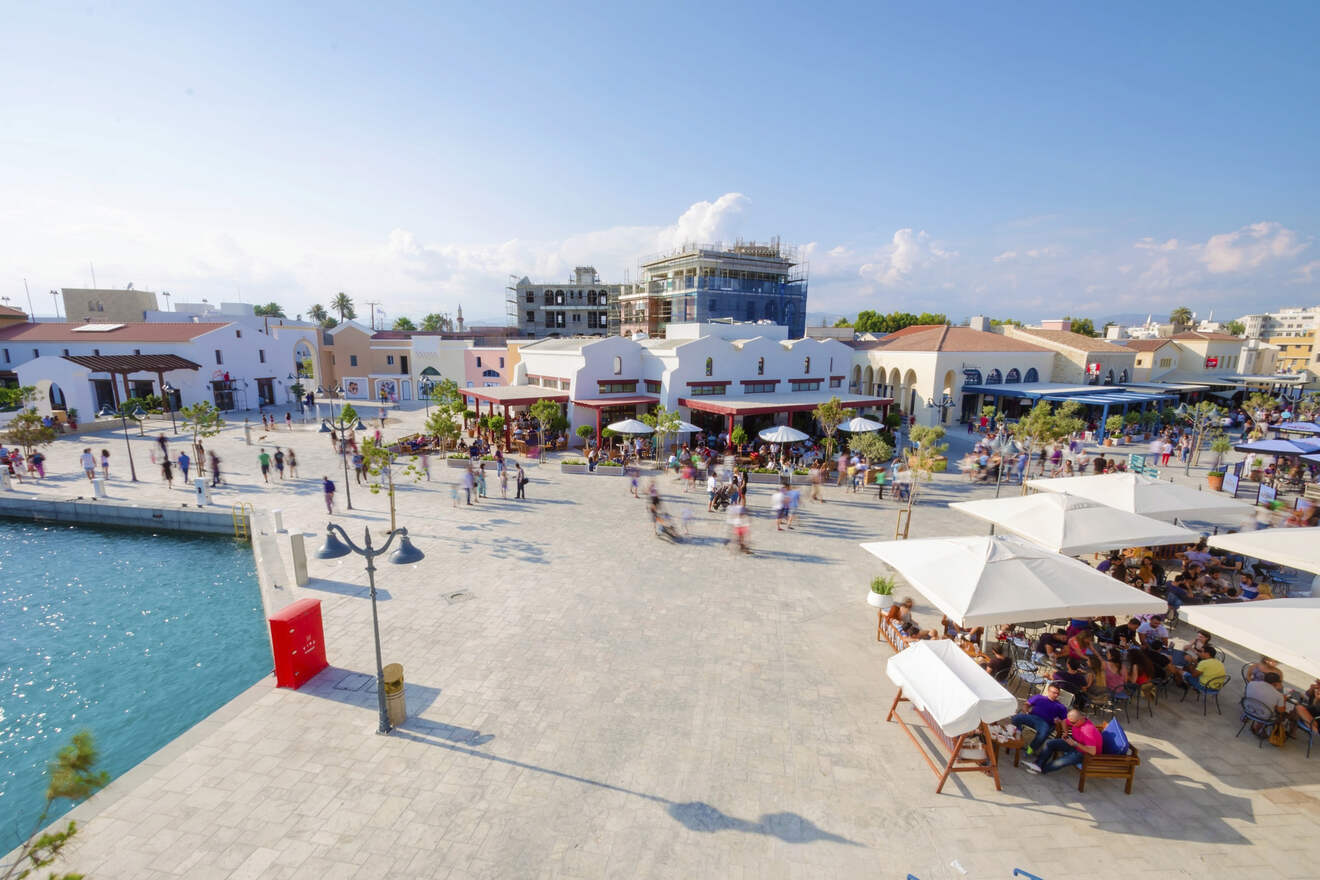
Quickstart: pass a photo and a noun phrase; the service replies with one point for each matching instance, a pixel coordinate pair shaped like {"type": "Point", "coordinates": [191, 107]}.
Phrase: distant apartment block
{"type": "Point", "coordinates": [1284, 322]}
{"type": "Point", "coordinates": [579, 307]}
{"type": "Point", "coordinates": [106, 305]}
{"type": "Point", "coordinates": [745, 281]}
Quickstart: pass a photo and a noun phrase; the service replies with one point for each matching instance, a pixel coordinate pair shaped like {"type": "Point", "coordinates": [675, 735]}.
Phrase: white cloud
{"type": "Point", "coordinates": [1005, 257]}
{"type": "Point", "coordinates": [906, 253]}
{"type": "Point", "coordinates": [1150, 244]}
{"type": "Point", "coordinates": [1250, 247]}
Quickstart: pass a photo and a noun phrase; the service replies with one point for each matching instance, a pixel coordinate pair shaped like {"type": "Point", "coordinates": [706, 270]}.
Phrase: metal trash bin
{"type": "Point", "coordinates": [395, 707]}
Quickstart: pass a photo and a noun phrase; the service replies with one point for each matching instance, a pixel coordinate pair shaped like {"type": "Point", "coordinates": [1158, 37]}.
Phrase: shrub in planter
{"type": "Point", "coordinates": [1215, 480]}
{"type": "Point", "coordinates": [882, 592]}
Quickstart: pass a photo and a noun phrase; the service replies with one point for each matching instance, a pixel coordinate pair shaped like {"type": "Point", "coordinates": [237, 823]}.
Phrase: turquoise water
{"type": "Point", "coordinates": [131, 635]}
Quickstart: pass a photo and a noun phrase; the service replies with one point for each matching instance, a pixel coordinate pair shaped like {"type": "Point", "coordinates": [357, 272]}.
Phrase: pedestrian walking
{"type": "Point", "coordinates": [738, 528]}
{"type": "Point", "coordinates": [468, 483]}
{"type": "Point", "coordinates": [777, 504]}
{"type": "Point", "coordinates": [817, 477]}
{"type": "Point", "coordinates": [520, 479]}
{"type": "Point", "coordinates": [292, 461]}
{"type": "Point", "coordinates": [167, 472]}
{"type": "Point", "coordinates": [504, 483]}
{"type": "Point", "coordinates": [288, 420]}
{"type": "Point", "coordinates": [634, 477]}
{"type": "Point", "coordinates": [263, 459]}
{"type": "Point", "coordinates": [161, 441]}
{"type": "Point", "coordinates": [328, 488]}
{"type": "Point", "coordinates": [842, 469]}
{"type": "Point", "coordinates": [88, 464]}
{"type": "Point", "coordinates": [426, 466]}
{"type": "Point", "coordinates": [481, 481]}
{"type": "Point", "coordinates": [184, 463]}
{"type": "Point", "coordinates": [279, 462]}
{"type": "Point", "coordinates": [38, 462]}
{"type": "Point", "coordinates": [105, 463]}
{"type": "Point", "coordinates": [711, 486]}
{"type": "Point", "coordinates": [215, 469]}
{"type": "Point", "coordinates": [793, 499]}
{"type": "Point", "coordinates": [358, 467]}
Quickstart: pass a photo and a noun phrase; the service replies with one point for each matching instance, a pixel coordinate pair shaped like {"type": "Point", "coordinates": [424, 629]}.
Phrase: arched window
{"type": "Point", "coordinates": [1109, 378]}
{"type": "Point", "coordinates": [490, 374]}
{"type": "Point", "coordinates": [995, 378]}
{"type": "Point", "coordinates": [1032, 375]}
{"type": "Point", "coordinates": [618, 365]}
{"type": "Point", "coordinates": [806, 366]}
{"type": "Point", "coordinates": [1013, 377]}
{"type": "Point", "coordinates": [710, 366]}
{"type": "Point", "coordinates": [760, 366]}
{"type": "Point", "coordinates": [972, 377]}
{"type": "Point", "coordinates": [1123, 377]}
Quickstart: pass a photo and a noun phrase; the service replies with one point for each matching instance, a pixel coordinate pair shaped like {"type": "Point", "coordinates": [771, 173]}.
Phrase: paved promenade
{"type": "Point", "coordinates": [597, 702]}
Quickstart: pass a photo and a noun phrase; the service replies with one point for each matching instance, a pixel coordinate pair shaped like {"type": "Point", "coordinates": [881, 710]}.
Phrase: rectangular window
{"type": "Point", "coordinates": [705, 390]}
{"type": "Point", "coordinates": [759, 387]}
{"type": "Point", "coordinates": [577, 317]}
{"type": "Point", "coordinates": [559, 319]}
{"type": "Point", "coordinates": [389, 359]}
{"type": "Point", "coordinates": [604, 298]}
{"type": "Point", "coordinates": [478, 361]}
{"type": "Point", "coordinates": [219, 358]}
{"type": "Point", "coordinates": [531, 316]}
{"type": "Point", "coordinates": [652, 386]}
{"type": "Point", "coordinates": [6, 355]}
{"type": "Point", "coordinates": [352, 360]}
{"type": "Point", "coordinates": [530, 297]}
{"type": "Point", "coordinates": [137, 351]}
{"type": "Point", "coordinates": [261, 355]}
{"type": "Point", "coordinates": [1166, 362]}
{"type": "Point", "coordinates": [836, 382]}
{"type": "Point", "coordinates": [501, 363]}
{"type": "Point", "coordinates": [618, 387]}
{"type": "Point", "coordinates": [591, 297]}
{"type": "Point", "coordinates": [96, 351]}
{"type": "Point", "coordinates": [36, 352]}
{"type": "Point", "coordinates": [807, 385]}
{"type": "Point", "coordinates": [238, 334]}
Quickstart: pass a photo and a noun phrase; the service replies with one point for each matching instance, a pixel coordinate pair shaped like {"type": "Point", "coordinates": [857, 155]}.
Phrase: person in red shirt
{"type": "Point", "coordinates": [1080, 736]}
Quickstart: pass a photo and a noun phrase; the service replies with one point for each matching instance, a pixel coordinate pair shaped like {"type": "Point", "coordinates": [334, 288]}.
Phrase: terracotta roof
{"type": "Point", "coordinates": [942, 337]}
{"type": "Point", "coordinates": [11, 312]}
{"type": "Point", "coordinates": [132, 363]}
{"type": "Point", "coordinates": [1145, 344]}
{"type": "Point", "coordinates": [46, 331]}
{"type": "Point", "coordinates": [1214, 337]}
{"type": "Point", "coordinates": [1078, 341]}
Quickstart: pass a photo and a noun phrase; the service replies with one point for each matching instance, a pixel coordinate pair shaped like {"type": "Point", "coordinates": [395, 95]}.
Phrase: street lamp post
{"type": "Point", "coordinates": [108, 413]}
{"type": "Point", "coordinates": [340, 428]}
{"type": "Point", "coordinates": [426, 388]}
{"type": "Point", "coordinates": [168, 391]}
{"type": "Point", "coordinates": [944, 403]}
{"type": "Point", "coordinates": [405, 555]}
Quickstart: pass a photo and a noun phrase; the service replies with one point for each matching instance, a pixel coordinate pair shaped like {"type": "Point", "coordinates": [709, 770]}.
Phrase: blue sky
{"type": "Point", "coordinates": [1022, 161]}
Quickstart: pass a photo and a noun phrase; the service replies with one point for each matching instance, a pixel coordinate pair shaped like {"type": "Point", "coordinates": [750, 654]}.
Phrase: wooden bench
{"type": "Point", "coordinates": [963, 756]}
{"type": "Point", "coordinates": [1109, 767]}
{"type": "Point", "coordinates": [1311, 491]}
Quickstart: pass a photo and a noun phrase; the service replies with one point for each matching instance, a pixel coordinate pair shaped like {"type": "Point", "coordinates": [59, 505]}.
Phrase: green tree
{"type": "Point", "coordinates": [1202, 418]}
{"type": "Point", "coordinates": [843, 322]}
{"type": "Point", "coordinates": [73, 777]}
{"type": "Point", "coordinates": [347, 414]}
{"type": "Point", "coordinates": [1044, 425]}
{"type": "Point", "coordinates": [872, 445]}
{"type": "Point", "coordinates": [665, 423]}
{"type": "Point", "coordinates": [873, 322]}
{"type": "Point", "coordinates": [1000, 322]}
{"type": "Point", "coordinates": [546, 412]}
{"type": "Point", "coordinates": [269, 310]}
{"type": "Point", "coordinates": [1235, 328]}
{"type": "Point", "coordinates": [442, 424]}
{"type": "Point", "coordinates": [738, 436]}
{"type": "Point", "coordinates": [438, 321]}
{"type": "Point", "coordinates": [343, 304]}
{"type": "Point", "coordinates": [203, 420]}
{"type": "Point", "coordinates": [379, 461]}
{"type": "Point", "coordinates": [13, 398]}
{"type": "Point", "coordinates": [404, 323]}
{"type": "Point", "coordinates": [318, 314]}
{"type": "Point", "coordinates": [586, 432]}
{"type": "Point", "coordinates": [1180, 318]}
{"type": "Point", "coordinates": [829, 415]}
{"type": "Point", "coordinates": [922, 461]}
{"type": "Point", "coordinates": [27, 431]}
{"type": "Point", "coordinates": [1084, 326]}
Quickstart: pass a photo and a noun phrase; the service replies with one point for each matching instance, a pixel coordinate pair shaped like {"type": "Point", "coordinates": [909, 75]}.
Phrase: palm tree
{"type": "Point", "coordinates": [318, 314]}
{"type": "Point", "coordinates": [437, 321]}
{"type": "Point", "coordinates": [1181, 317]}
{"type": "Point", "coordinates": [269, 310]}
{"type": "Point", "coordinates": [343, 304]}
{"type": "Point", "coordinates": [404, 324]}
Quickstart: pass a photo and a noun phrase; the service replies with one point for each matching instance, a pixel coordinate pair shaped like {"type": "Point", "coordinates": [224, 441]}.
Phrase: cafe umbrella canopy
{"type": "Point", "coordinates": [1138, 493]}
{"type": "Point", "coordinates": [1280, 628]}
{"type": "Point", "coordinates": [1072, 525]}
{"type": "Point", "coordinates": [782, 434]}
{"type": "Point", "coordinates": [1002, 579]}
{"type": "Point", "coordinates": [1294, 548]}
{"type": "Point", "coordinates": [859, 425]}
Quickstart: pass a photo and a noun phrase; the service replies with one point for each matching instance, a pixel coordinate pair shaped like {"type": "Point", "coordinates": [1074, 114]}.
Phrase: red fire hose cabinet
{"type": "Point", "coordinates": [298, 642]}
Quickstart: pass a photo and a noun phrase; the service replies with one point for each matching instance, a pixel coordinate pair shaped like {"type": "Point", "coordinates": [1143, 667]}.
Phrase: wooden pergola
{"type": "Point", "coordinates": [511, 395]}
{"type": "Point", "coordinates": [124, 365]}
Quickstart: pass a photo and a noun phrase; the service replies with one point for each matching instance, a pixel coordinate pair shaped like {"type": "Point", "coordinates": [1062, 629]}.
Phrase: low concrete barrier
{"type": "Point", "coordinates": [118, 513]}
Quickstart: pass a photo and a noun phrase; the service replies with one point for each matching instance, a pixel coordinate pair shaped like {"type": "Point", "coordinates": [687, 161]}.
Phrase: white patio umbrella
{"type": "Point", "coordinates": [631, 426]}
{"type": "Point", "coordinates": [1072, 525]}
{"type": "Point", "coordinates": [860, 425]}
{"type": "Point", "coordinates": [686, 428]}
{"type": "Point", "coordinates": [1138, 493]}
{"type": "Point", "coordinates": [1280, 628]}
{"type": "Point", "coordinates": [781, 434]}
{"type": "Point", "coordinates": [943, 681]}
{"type": "Point", "coordinates": [1295, 548]}
{"type": "Point", "coordinates": [995, 579]}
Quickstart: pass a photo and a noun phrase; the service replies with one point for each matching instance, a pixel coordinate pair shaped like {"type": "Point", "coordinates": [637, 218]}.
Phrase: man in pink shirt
{"type": "Point", "coordinates": [1080, 735]}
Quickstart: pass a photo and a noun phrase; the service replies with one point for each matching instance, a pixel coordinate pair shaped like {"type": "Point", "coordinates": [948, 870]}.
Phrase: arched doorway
{"type": "Point", "coordinates": [857, 377]}
{"type": "Point", "coordinates": [893, 390]}
{"type": "Point", "coordinates": [868, 381]}
{"type": "Point", "coordinates": [910, 392]}
{"type": "Point", "coordinates": [946, 393]}
{"type": "Point", "coordinates": [304, 363]}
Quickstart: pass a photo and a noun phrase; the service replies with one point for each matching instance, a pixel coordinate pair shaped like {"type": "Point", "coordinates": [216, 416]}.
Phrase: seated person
{"type": "Point", "coordinates": [1187, 654]}
{"type": "Point", "coordinates": [1051, 644]}
{"type": "Point", "coordinates": [1199, 553]}
{"type": "Point", "coordinates": [1309, 707]}
{"type": "Point", "coordinates": [1153, 628]}
{"type": "Point", "coordinates": [1080, 736]}
{"type": "Point", "coordinates": [1209, 671]}
{"type": "Point", "coordinates": [1267, 691]}
{"type": "Point", "coordinates": [1071, 677]}
{"type": "Point", "coordinates": [1247, 584]}
{"type": "Point", "coordinates": [1079, 645]}
{"type": "Point", "coordinates": [1159, 661]}
{"type": "Point", "coordinates": [954, 631]}
{"type": "Point", "coordinates": [1176, 592]}
{"type": "Point", "coordinates": [1114, 558]}
{"type": "Point", "coordinates": [1044, 712]}
{"type": "Point", "coordinates": [1126, 635]}
{"type": "Point", "coordinates": [1258, 670]}
{"type": "Point", "coordinates": [900, 611]}
{"type": "Point", "coordinates": [999, 662]}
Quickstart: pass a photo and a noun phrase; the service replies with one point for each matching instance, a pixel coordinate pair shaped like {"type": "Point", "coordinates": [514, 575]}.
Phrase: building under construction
{"type": "Point", "coordinates": [745, 281]}
{"type": "Point", "coordinates": [578, 307]}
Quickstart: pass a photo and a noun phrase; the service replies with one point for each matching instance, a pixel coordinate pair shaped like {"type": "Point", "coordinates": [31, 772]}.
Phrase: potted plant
{"type": "Point", "coordinates": [882, 592]}
{"type": "Point", "coordinates": [1114, 430]}
{"type": "Point", "coordinates": [72, 413]}
{"type": "Point", "coordinates": [1215, 480]}
{"type": "Point", "coordinates": [610, 467]}
{"type": "Point", "coordinates": [572, 466]}
{"type": "Point", "coordinates": [1257, 464]}
{"type": "Point", "coordinates": [1220, 446]}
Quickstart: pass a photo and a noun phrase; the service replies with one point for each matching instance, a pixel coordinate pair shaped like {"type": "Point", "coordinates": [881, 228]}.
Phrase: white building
{"type": "Point", "coordinates": [1284, 322]}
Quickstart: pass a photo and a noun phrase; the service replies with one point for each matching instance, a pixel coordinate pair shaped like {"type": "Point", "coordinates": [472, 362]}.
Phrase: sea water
{"type": "Point", "coordinates": [133, 636]}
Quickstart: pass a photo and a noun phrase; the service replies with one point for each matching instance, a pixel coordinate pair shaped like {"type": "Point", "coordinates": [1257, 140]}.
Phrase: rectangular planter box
{"type": "Point", "coordinates": [457, 462]}
{"type": "Point", "coordinates": [572, 468]}
{"type": "Point", "coordinates": [609, 471]}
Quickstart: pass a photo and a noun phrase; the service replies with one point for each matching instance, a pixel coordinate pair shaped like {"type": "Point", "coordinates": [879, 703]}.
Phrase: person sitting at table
{"type": "Point", "coordinates": [900, 612]}
{"type": "Point", "coordinates": [1152, 628]}
{"type": "Point", "coordinates": [1186, 655]}
{"type": "Point", "coordinates": [1071, 677]}
{"type": "Point", "coordinates": [1137, 669]}
{"type": "Point", "coordinates": [1207, 671]}
{"type": "Point", "coordinates": [1262, 667]}
{"type": "Point", "coordinates": [1247, 584]}
{"type": "Point", "coordinates": [999, 662]}
{"type": "Point", "coordinates": [1114, 558]}
{"type": "Point", "coordinates": [1044, 712]}
{"type": "Point", "coordinates": [1080, 645]}
{"type": "Point", "coordinates": [1080, 736]}
{"type": "Point", "coordinates": [1159, 661]}
{"type": "Point", "coordinates": [1051, 644]}
{"type": "Point", "coordinates": [1176, 592]}
{"type": "Point", "coordinates": [1309, 706]}
{"type": "Point", "coordinates": [954, 631]}
{"type": "Point", "coordinates": [1115, 677]}
{"type": "Point", "coordinates": [1097, 686]}
{"type": "Point", "coordinates": [1267, 691]}
{"type": "Point", "coordinates": [1126, 635]}
{"type": "Point", "coordinates": [1198, 553]}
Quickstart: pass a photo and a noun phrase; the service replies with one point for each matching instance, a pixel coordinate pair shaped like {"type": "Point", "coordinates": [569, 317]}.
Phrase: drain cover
{"type": "Point", "coordinates": [457, 596]}
{"type": "Point", "coordinates": [354, 681]}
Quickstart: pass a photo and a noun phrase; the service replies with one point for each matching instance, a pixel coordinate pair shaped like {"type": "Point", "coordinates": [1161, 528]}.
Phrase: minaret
{"type": "Point", "coordinates": [460, 318]}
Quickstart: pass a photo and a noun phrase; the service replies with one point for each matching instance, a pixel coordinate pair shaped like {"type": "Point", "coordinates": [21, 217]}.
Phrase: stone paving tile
{"type": "Point", "coordinates": [611, 705]}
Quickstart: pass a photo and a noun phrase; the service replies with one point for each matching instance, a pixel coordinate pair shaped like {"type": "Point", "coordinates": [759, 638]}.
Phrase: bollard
{"type": "Point", "coordinates": [98, 488]}
{"type": "Point", "coordinates": [247, 433]}
{"type": "Point", "coordinates": [298, 552]}
{"type": "Point", "coordinates": [278, 516]}
{"type": "Point", "coordinates": [203, 490]}
{"type": "Point", "coordinates": [6, 484]}
{"type": "Point", "coordinates": [395, 707]}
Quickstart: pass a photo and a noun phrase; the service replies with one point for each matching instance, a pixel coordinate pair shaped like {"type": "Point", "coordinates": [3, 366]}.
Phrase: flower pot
{"type": "Point", "coordinates": [1215, 482]}
{"type": "Point", "coordinates": [875, 600]}
{"type": "Point", "coordinates": [1254, 476]}
{"type": "Point", "coordinates": [1109, 441]}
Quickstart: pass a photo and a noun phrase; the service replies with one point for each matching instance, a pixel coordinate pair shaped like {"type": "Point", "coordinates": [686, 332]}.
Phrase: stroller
{"type": "Point", "coordinates": [664, 525]}
{"type": "Point", "coordinates": [723, 495]}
